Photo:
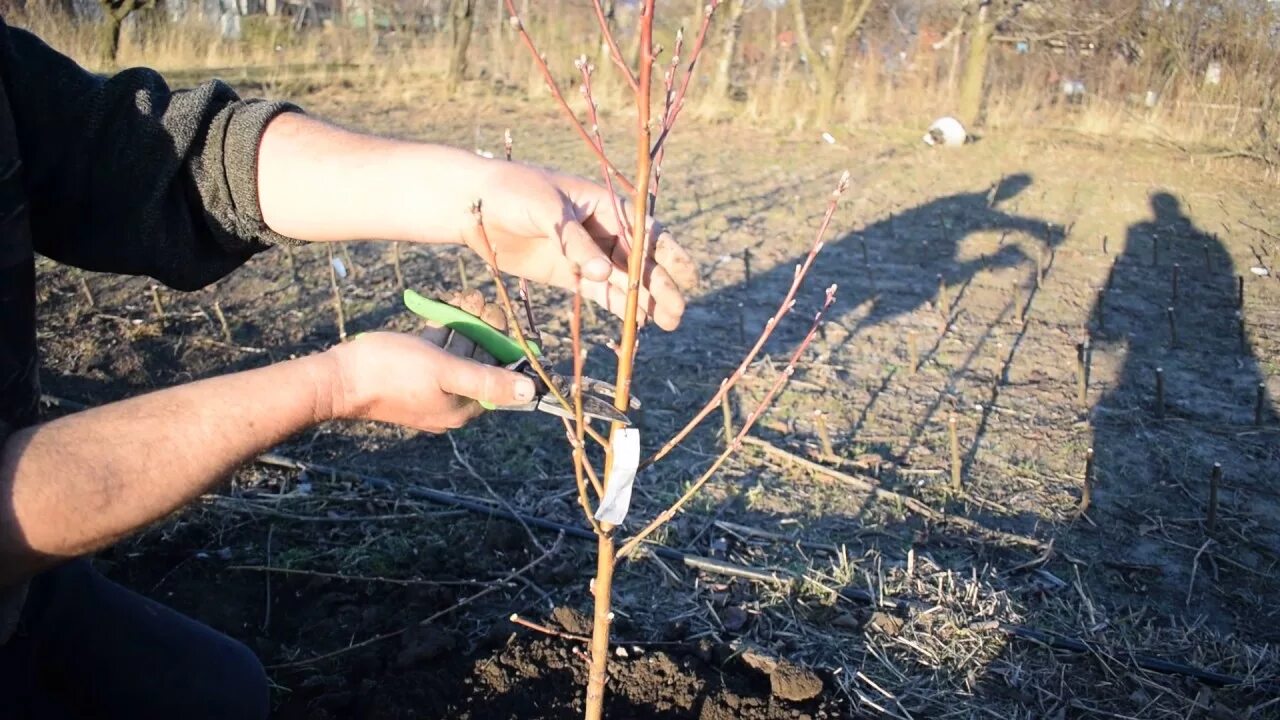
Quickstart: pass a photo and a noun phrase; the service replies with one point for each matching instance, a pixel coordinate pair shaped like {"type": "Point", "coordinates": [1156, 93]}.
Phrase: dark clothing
{"type": "Point", "coordinates": [121, 175]}
{"type": "Point", "coordinates": [88, 649]}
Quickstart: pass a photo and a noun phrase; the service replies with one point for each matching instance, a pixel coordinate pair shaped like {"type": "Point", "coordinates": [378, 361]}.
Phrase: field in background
{"type": "Point", "coordinates": [1036, 240]}
{"type": "Point", "coordinates": [890, 79]}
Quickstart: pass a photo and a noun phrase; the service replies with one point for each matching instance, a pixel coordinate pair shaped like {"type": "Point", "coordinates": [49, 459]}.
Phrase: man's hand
{"type": "Point", "coordinates": [542, 224]}
{"type": "Point", "coordinates": [432, 382]}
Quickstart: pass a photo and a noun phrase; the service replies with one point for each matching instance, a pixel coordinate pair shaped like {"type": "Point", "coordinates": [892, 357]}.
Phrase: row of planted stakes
{"type": "Point", "coordinates": [340, 264]}
{"type": "Point", "coordinates": [1021, 306]}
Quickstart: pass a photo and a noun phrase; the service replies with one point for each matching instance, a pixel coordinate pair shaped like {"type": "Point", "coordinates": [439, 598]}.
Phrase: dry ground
{"type": "Point", "coordinates": [303, 564]}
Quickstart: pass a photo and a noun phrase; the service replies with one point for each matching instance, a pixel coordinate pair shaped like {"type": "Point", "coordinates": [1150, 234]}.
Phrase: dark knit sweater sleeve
{"type": "Point", "coordinates": [125, 175]}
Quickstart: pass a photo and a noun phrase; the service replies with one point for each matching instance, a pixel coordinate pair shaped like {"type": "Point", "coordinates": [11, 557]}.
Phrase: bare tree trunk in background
{"type": "Point", "coordinates": [370, 24]}
{"type": "Point", "coordinates": [974, 79]}
{"type": "Point", "coordinates": [602, 50]}
{"type": "Point", "coordinates": [461, 20]}
{"type": "Point", "coordinates": [114, 13]}
{"type": "Point", "coordinates": [827, 70]}
{"type": "Point", "coordinates": [728, 50]}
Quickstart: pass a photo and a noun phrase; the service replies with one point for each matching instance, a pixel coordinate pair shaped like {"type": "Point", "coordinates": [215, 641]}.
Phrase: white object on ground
{"type": "Point", "coordinates": [340, 268]}
{"type": "Point", "coordinates": [625, 449]}
{"type": "Point", "coordinates": [829, 138]}
{"type": "Point", "coordinates": [1259, 271]}
{"type": "Point", "coordinates": [946, 131]}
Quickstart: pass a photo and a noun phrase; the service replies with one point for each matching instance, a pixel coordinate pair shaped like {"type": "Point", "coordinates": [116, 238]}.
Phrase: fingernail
{"type": "Point", "coordinates": [524, 390]}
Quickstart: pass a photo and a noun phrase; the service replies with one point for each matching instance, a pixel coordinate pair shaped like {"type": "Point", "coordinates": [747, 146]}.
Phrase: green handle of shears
{"type": "Point", "coordinates": [504, 348]}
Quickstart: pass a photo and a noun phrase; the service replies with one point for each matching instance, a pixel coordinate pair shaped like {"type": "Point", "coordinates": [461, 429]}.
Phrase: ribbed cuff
{"type": "Point", "coordinates": [243, 135]}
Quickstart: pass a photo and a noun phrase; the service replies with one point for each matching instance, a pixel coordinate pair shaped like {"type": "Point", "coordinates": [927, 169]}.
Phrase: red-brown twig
{"type": "Point", "coordinates": [547, 630]}
{"type": "Point", "coordinates": [523, 286]}
{"type": "Point", "coordinates": [668, 97]}
{"type": "Point", "coordinates": [673, 110]}
{"type": "Point", "coordinates": [614, 52]}
{"type": "Point", "coordinates": [577, 436]}
{"type": "Point", "coordinates": [585, 68]}
{"type": "Point", "coordinates": [785, 307]}
{"type": "Point", "coordinates": [504, 300]}
{"type": "Point", "coordinates": [634, 541]}
{"type": "Point", "coordinates": [541, 63]}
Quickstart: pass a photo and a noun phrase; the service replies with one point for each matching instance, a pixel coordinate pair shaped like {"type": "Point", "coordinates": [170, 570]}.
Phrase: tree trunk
{"type": "Point", "coordinates": [461, 20]}
{"type": "Point", "coordinates": [109, 36]}
{"type": "Point", "coordinates": [724, 68]}
{"type": "Point", "coordinates": [974, 80]}
{"type": "Point", "coordinates": [829, 89]}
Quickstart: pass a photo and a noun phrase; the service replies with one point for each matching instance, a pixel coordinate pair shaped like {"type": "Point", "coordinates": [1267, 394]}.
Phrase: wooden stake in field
{"type": "Point", "coordinates": [1259, 404]}
{"type": "Point", "coordinates": [1155, 250]}
{"type": "Point", "coordinates": [1215, 480]}
{"type": "Point", "coordinates": [1244, 334]}
{"type": "Point", "coordinates": [395, 265]}
{"type": "Point", "coordinates": [913, 356]}
{"type": "Point", "coordinates": [1019, 314]}
{"type": "Point", "coordinates": [1104, 245]}
{"type": "Point", "coordinates": [1160, 393]}
{"type": "Point", "coordinates": [1082, 373]}
{"type": "Point", "coordinates": [155, 300]}
{"type": "Point", "coordinates": [1100, 309]}
{"type": "Point", "coordinates": [1086, 489]}
{"type": "Point", "coordinates": [824, 435]}
{"type": "Point", "coordinates": [88, 294]}
{"type": "Point", "coordinates": [957, 485]}
{"type": "Point", "coordinates": [944, 301]}
{"type": "Point", "coordinates": [1208, 260]}
{"type": "Point", "coordinates": [1173, 327]}
{"type": "Point", "coordinates": [222, 321]}
{"type": "Point", "coordinates": [1174, 282]}
{"type": "Point", "coordinates": [726, 415]}
{"type": "Point", "coordinates": [337, 296]}
{"type": "Point", "coordinates": [746, 269]}
{"type": "Point", "coordinates": [1240, 291]}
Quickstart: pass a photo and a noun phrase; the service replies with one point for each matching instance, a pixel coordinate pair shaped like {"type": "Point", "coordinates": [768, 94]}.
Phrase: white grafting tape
{"type": "Point", "coordinates": [625, 447]}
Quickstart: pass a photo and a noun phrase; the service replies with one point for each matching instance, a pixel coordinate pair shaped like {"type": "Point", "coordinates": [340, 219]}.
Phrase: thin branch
{"type": "Point", "coordinates": [547, 630]}
{"type": "Point", "coordinates": [586, 68]}
{"type": "Point", "coordinates": [504, 299]}
{"type": "Point", "coordinates": [634, 541]}
{"type": "Point", "coordinates": [431, 618]}
{"type": "Point", "coordinates": [674, 108]}
{"type": "Point", "coordinates": [785, 307]}
{"type": "Point", "coordinates": [541, 64]}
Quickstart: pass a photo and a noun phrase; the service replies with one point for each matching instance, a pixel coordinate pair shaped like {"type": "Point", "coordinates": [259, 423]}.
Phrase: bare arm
{"type": "Point", "coordinates": [318, 182]}
{"type": "Point", "coordinates": [76, 484]}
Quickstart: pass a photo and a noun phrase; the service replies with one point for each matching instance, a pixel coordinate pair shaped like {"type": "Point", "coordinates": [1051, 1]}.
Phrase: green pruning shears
{"type": "Point", "coordinates": [597, 395]}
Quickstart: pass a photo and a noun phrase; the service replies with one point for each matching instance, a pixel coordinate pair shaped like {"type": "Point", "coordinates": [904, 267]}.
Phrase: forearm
{"type": "Point", "coordinates": [318, 182]}
{"type": "Point", "coordinates": [76, 484]}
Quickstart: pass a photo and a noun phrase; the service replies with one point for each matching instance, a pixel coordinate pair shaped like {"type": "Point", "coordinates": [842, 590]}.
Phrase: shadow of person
{"type": "Point", "coordinates": [1153, 460]}
{"type": "Point", "coordinates": [891, 267]}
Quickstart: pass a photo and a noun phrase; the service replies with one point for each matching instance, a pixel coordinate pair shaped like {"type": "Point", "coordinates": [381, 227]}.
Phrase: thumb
{"type": "Point", "coordinates": [486, 383]}
{"type": "Point", "coordinates": [582, 249]}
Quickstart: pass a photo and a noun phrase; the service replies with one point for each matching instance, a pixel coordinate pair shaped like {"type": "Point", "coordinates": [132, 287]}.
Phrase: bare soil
{"type": "Point", "coordinates": [329, 578]}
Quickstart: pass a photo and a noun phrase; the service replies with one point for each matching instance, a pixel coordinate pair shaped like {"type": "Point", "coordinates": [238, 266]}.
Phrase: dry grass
{"type": "Point", "coordinates": [771, 85]}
